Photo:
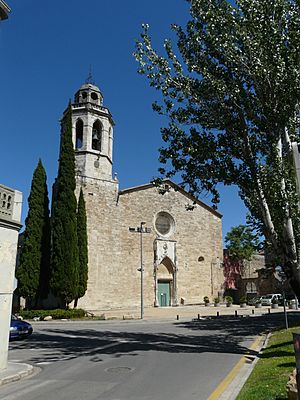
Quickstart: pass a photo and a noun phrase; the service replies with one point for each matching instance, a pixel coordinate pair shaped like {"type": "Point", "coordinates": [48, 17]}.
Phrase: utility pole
{"type": "Point", "coordinates": [140, 229]}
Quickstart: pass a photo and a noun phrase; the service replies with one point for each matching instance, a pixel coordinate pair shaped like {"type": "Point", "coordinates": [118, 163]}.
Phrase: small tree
{"type": "Point", "coordinates": [82, 248]}
{"type": "Point", "coordinates": [65, 260]}
{"type": "Point", "coordinates": [33, 270]}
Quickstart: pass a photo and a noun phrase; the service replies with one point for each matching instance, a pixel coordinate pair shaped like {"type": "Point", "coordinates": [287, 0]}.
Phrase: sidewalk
{"type": "Point", "coordinates": [187, 311]}
{"type": "Point", "coordinates": [14, 372]}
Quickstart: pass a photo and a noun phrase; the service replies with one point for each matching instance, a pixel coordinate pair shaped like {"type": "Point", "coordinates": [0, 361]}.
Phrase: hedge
{"type": "Point", "coordinates": [55, 314]}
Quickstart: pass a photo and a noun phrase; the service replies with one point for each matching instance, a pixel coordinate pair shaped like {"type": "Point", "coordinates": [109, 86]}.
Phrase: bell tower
{"type": "Point", "coordinates": [92, 134]}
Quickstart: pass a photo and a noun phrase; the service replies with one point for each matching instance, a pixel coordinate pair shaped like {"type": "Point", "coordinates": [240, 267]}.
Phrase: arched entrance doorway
{"type": "Point", "coordinates": [165, 283]}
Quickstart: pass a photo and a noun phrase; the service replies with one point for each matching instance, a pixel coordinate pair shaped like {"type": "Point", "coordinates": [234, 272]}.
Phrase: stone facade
{"type": "Point", "coordinates": [251, 278]}
{"type": "Point", "coordinates": [176, 237]}
{"type": "Point", "coordinates": [10, 216]}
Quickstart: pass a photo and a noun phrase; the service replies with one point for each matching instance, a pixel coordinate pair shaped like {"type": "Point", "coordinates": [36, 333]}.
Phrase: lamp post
{"type": "Point", "coordinates": [142, 270]}
{"type": "Point", "coordinates": [140, 229]}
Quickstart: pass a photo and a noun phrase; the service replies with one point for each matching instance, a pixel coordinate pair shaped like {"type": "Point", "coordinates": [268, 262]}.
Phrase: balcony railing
{"type": "Point", "coordinates": [96, 106]}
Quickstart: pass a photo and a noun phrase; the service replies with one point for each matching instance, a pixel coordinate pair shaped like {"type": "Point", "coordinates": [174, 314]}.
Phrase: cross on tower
{"type": "Point", "coordinates": [90, 79]}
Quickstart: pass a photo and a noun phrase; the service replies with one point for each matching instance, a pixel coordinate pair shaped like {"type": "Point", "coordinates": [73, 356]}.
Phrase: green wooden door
{"type": "Point", "coordinates": [164, 294]}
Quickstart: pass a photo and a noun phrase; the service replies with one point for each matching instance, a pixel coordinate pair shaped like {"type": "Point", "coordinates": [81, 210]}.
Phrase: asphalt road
{"type": "Point", "coordinates": [136, 360]}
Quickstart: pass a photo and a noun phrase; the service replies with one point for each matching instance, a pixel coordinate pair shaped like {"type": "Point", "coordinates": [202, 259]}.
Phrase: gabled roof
{"type": "Point", "coordinates": [177, 188]}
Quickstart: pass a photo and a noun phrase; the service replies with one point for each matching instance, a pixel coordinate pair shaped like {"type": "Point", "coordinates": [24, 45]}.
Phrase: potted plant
{"type": "Point", "coordinates": [292, 304]}
{"type": "Point", "coordinates": [206, 301]}
{"type": "Point", "coordinates": [229, 301]}
{"type": "Point", "coordinates": [243, 302]}
{"type": "Point", "coordinates": [274, 302]}
{"type": "Point", "coordinates": [216, 301]}
{"type": "Point", "coordinates": [258, 303]}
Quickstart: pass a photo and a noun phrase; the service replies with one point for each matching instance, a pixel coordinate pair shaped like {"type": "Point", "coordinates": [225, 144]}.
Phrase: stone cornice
{"type": "Point", "coordinates": [10, 224]}
{"type": "Point", "coordinates": [92, 109]}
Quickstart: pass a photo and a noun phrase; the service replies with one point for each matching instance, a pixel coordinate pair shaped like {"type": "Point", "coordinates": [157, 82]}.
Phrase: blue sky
{"type": "Point", "coordinates": [46, 50]}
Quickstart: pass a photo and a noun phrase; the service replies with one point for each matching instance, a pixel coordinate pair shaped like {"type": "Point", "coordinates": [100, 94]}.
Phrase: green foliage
{"type": "Point", "coordinates": [229, 299]}
{"type": "Point", "coordinates": [241, 242]}
{"type": "Point", "coordinates": [82, 246]}
{"type": "Point", "coordinates": [231, 93]}
{"type": "Point", "coordinates": [271, 373]}
{"type": "Point", "coordinates": [216, 300]}
{"type": "Point", "coordinates": [65, 259]}
{"type": "Point", "coordinates": [206, 299]}
{"type": "Point", "coordinates": [33, 270]}
{"type": "Point", "coordinates": [243, 300]}
{"type": "Point", "coordinates": [55, 314]}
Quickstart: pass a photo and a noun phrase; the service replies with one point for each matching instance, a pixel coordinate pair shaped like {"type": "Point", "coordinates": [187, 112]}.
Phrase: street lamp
{"type": "Point", "coordinates": [140, 229]}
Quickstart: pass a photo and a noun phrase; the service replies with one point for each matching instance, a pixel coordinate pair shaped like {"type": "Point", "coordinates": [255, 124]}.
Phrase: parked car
{"type": "Point", "coordinates": [267, 299]}
{"type": "Point", "coordinates": [19, 329]}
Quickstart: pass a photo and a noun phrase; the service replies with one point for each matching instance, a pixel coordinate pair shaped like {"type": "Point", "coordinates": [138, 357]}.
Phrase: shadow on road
{"type": "Point", "coordinates": [217, 335]}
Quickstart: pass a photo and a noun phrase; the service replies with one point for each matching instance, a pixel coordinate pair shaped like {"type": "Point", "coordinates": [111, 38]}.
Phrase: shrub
{"type": "Point", "coordinates": [229, 299]}
{"type": "Point", "coordinates": [206, 299]}
{"type": "Point", "coordinates": [243, 300]}
{"type": "Point", "coordinates": [216, 300]}
{"type": "Point", "coordinates": [55, 314]}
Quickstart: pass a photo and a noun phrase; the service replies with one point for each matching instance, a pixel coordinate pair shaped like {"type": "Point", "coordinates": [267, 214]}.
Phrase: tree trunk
{"type": "Point", "coordinates": [75, 303]}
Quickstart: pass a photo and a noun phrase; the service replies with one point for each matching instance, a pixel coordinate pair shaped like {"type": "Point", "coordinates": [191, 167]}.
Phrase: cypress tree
{"type": "Point", "coordinates": [33, 270]}
{"type": "Point", "coordinates": [82, 247]}
{"type": "Point", "coordinates": [65, 260]}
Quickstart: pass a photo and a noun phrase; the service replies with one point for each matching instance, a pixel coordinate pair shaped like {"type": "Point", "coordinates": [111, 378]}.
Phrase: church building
{"type": "Point", "coordinates": [174, 236]}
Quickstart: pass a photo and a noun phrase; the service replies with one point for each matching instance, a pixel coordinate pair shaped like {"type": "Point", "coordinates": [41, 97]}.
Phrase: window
{"type": "Point", "coordinates": [94, 96]}
{"type": "Point", "coordinates": [79, 134]}
{"type": "Point", "coordinates": [164, 223]}
{"type": "Point", "coordinates": [96, 135]}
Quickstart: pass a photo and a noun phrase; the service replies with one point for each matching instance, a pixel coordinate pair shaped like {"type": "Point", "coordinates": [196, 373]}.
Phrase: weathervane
{"type": "Point", "coordinates": [90, 79]}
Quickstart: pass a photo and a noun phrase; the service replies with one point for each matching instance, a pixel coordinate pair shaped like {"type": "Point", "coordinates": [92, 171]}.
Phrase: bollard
{"type": "Point", "coordinates": [218, 313]}
{"type": "Point", "coordinates": [198, 317]}
{"type": "Point", "coordinates": [269, 310]}
{"type": "Point", "coordinates": [235, 313]}
{"type": "Point", "coordinates": [177, 317]}
{"type": "Point", "coordinates": [253, 311]}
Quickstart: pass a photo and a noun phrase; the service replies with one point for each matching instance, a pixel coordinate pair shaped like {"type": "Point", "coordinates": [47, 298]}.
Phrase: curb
{"type": "Point", "coordinates": [232, 384]}
{"type": "Point", "coordinates": [14, 372]}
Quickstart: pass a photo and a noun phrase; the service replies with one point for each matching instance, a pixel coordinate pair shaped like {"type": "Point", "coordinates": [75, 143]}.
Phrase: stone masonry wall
{"type": "Point", "coordinates": [114, 251]}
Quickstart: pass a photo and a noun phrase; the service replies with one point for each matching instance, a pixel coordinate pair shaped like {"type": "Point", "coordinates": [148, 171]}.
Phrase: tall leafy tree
{"type": "Point", "coordinates": [65, 259]}
{"type": "Point", "coordinates": [241, 243]}
{"type": "Point", "coordinates": [82, 248]}
{"type": "Point", "coordinates": [231, 91]}
{"type": "Point", "coordinates": [33, 270]}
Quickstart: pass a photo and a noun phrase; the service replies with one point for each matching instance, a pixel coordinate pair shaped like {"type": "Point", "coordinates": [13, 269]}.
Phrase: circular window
{"type": "Point", "coordinates": [164, 223]}
{"type": "Point", "coordinates": [94, 96]}
{"type": "Point", "coordinates": [84, 95]}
